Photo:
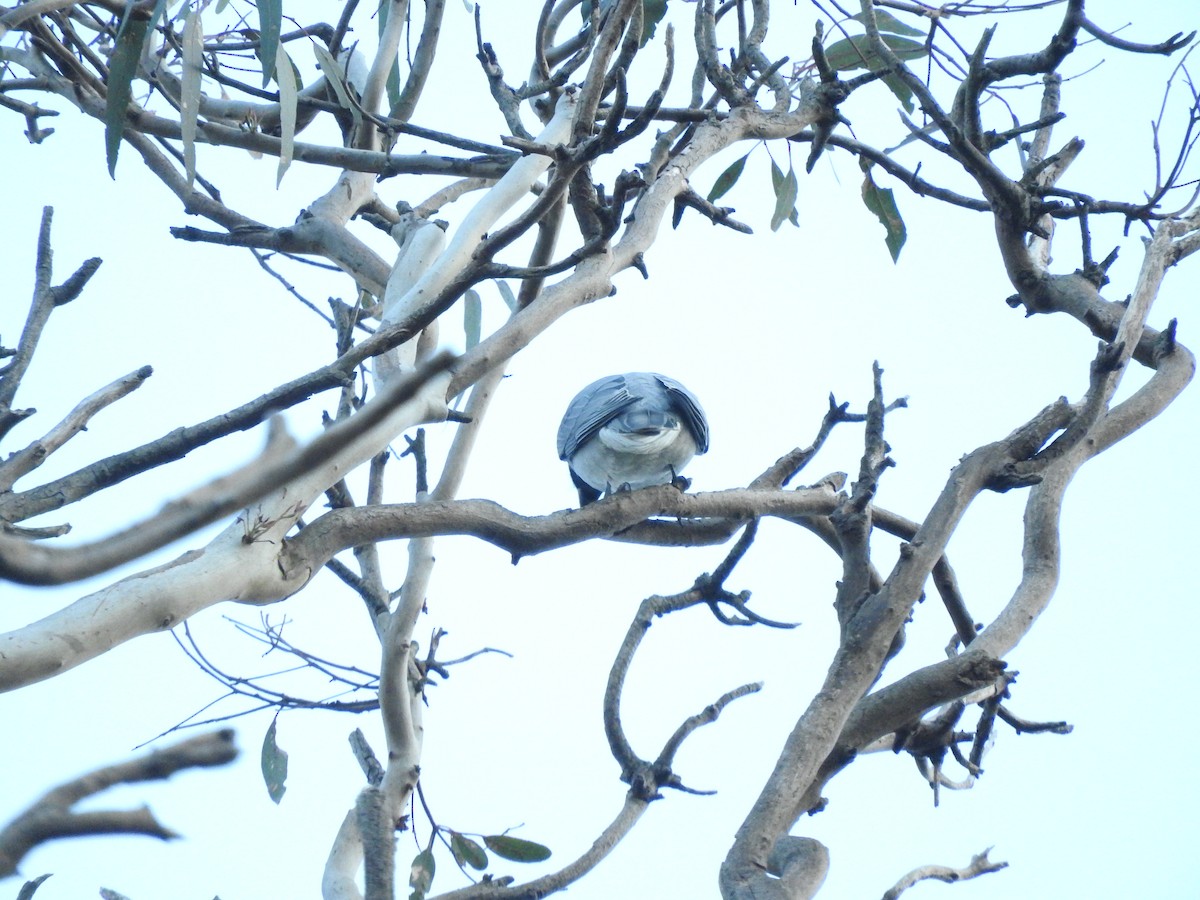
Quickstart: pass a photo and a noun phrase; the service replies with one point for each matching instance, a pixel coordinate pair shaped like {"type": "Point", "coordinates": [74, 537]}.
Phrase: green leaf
{"type": "Point", "coordinates": [515, 849]}
{"type": "Point", "coordinates": [786, 190]}
{"type": "Point", "coordinates": [467, 852]}
{"type": "Point", "coordinates": [652, 13]}
{"type": "Point", "coordinates": [727, 179]}
{"type": "Point", "coordinates": [882, 203]}
{"type": "Point", "coordinates": [110, 894]}
{"type": "Point", "coordinates": [189, 91]}
{"type": "Point", "coordinates": [393, 79]}
{"type": "Point", "coordinates": [274, 765]}
{"type": "Point", "coordinates": [889, 23]}
{"type": "Point", "coordinates": [472, 317]}
{"type": "Point", "coordinates": [288, 98]}
{"type": "Point", "coordinates": [510, 299]}
{"type": "Point", "coordinates": [420, 876]}
{"type": "Point", "coordinates": [856, 52]}
{"type": "Point", "coordinates": [29, 887]}
{"type": "Point", "coordinates": [334, 75]}
{"type": "Point", "coordinates": [901, 91]}
{"type": "Point", "coordinates": [121, 68]}
{"type": "Point", "coordinates": [912, 136]}
{"type": "Point", "coordinates": [270, 20]}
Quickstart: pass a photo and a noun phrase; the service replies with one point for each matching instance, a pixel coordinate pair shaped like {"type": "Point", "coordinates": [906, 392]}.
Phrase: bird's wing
{"type": "Point", "coordinates": [685, 403]}
{"type": "Point", "coordinates": [592, 408]}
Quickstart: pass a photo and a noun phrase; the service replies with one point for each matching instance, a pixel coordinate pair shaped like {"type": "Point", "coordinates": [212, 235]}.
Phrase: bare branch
{"type": "Point", "coordinates": [979, 865]}
{"type": "Point", "coordinates": [51, 816]}
{"type": "Point", "coordinates": [1164, 48]}
{"type": "Point", "coordinates": [279, 464]}
{"type": "Point", "coordinates": [46, 298]}
{"type": "Point", "coordinates": [25, 461]}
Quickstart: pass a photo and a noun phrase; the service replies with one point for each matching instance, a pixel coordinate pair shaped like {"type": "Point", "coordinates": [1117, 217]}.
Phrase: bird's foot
{"type": "Point", "coordinates": [681, 483]}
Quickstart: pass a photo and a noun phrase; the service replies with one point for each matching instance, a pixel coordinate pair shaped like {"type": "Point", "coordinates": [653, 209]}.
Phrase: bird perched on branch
{"type": "Point", "coordinates": [630, 431]}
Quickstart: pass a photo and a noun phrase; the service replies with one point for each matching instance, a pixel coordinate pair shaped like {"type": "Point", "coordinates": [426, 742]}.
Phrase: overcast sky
{"type": "Point", "coordinates": [762, 329]}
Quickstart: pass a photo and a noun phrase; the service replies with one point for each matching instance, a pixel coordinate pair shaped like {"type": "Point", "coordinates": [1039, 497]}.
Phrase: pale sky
{"type": "Point", "coordinates": [762, 329]}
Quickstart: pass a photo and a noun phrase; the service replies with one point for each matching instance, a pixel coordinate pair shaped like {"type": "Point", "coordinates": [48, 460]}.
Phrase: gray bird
{"type": "Point", "coordinates": [630, 431]}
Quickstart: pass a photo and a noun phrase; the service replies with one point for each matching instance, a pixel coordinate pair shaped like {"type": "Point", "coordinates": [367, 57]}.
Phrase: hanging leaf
{"type": "Point", "coordinates": [889, 23]}
{"type": "Point", "coordinates": [787, 188]}
{"type": "Point", "coordinates": [274, 765]}
{"type": "Point", "coordinates": [121, 68]}
{"type": "Point", "coordinates": [288, 98]}
{"type": "Point", "coordinates": [856, 52]}
{"type": "Point", "coordinates": [393, 79]}
{"type": "Point", "coordinates": [130, 43]}
{"type": "Point", "coordinates": [909, 138]}
{"type": "Point", "coordinates": [727, 179]}
{"type": "Point", "coordinates": [882, 203]}
{"type": "Point", "coordinates": [189, 94]}
{"type": "Point", "coordinates": [420, 876]}
{"type": "Point", "coordinates": [270, 21]}
{"type": "Point", "coordinates": [652, 13]}
{"type": "Point", "coordinates": [334, 75]}
{"type": "Point", "coordinates": [472, 317]}
{"type": "Point", "coordinates": [510, 299]}
{"type": "Point", "coordinates": [515, 849]}
{"type": "Point", "coordinates": [901, 91]}
{"type": "Point", "coordinates": [467, 852]}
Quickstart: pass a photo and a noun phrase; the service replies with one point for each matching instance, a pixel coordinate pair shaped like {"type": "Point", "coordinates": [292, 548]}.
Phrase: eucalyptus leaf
{"type": "Point", "coordinates": [472, 317]}
{"type": "Point", "coordinates": [856, 52]}
{"type": "Point", "coordinates": [270, 22]}
{"type": "Point", "coordinates": [882, 202]}
{"type": "Point", "coordinates": [288, 99]}
{"type": "Point", "coordinates": [787, 188]}
{"type": "Point", "coordinates": [652, 13]}
{"type": "Point", "coordinates": [392, 85]}
{"type": "Point", "coordinates": [123, 66]}
{"type": "Point", "coordinates": [420, 876]}
{"type": "Point", "coordinates": [727, 179]}
{"type": "Point", "coordinates": [510, 299]}
{"type": "Point", "coordinates": [274, 765]}
{"type": "Point", "coordinates": [890, 24]}
{"type": "Point", "coordinates": [192, 48]}
{"type": "Point", "coordinates": [335, 76]}
{"type": "Point", "coordinates": [466, 851]}
{"type": "Point", "coordinates": [516, 849]}
{"type": "Point", "coordinates": [901, 91]}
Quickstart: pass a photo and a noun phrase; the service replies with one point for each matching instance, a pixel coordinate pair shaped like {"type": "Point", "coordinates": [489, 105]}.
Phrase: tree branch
{"type": "Point", "coordinates": [51, 815]}
{"type": "Point", "coordinates": [979, 865]}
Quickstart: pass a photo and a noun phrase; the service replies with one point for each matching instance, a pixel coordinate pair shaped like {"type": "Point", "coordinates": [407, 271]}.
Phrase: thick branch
{"type": "Point", "coordinates": [529, 535]}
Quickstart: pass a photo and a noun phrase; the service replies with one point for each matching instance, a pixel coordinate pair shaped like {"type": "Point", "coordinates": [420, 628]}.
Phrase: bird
{"type": "Point", "coordinates": [630, 431]}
